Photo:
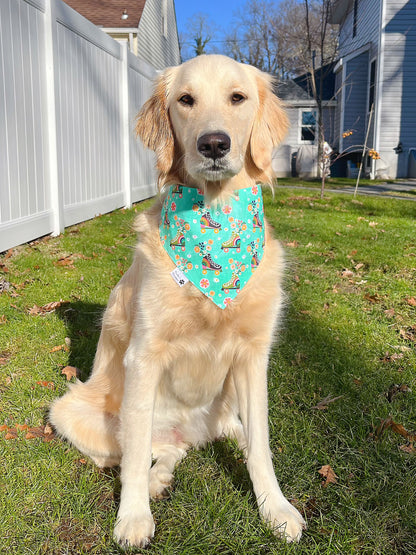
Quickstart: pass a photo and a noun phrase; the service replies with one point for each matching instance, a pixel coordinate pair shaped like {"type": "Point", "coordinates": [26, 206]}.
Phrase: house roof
{"type": "Point", "coordinates": [290, 91]}
{"type": "Point", "coordinates": [328, 81]}
{"type": "Point", "coordinates": [107, 13]}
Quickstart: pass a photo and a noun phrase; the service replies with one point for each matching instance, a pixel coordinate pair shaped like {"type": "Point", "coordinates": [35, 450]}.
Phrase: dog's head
{"type": "Point", "coordinates": [211, 119]}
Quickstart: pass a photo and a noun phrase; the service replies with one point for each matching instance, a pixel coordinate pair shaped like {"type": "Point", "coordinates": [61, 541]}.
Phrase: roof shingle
{"type": "Point", "coordinates": [107, 13]}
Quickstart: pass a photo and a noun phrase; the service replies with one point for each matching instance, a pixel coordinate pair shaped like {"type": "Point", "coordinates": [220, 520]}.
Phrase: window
{"type": "Point", "coordinates": [308, 126]}
{"type": "Point", "coordinates": [355, 19]}
{"type": "Point", "coordinates": [372, 85]}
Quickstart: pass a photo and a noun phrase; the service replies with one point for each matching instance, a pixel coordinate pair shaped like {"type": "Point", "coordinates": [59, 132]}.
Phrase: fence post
{"type": "Point", "coordinates": [51, 88]}
{"type": "Point", "coordinates": [125, 125]}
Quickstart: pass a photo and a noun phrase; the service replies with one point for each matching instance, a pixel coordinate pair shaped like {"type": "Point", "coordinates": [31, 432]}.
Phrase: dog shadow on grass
{"type": "Point", "coordinates": [83, 323]}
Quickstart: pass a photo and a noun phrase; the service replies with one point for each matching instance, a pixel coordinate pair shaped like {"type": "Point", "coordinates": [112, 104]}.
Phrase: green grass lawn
{"type": "Point", "coordinates": [348, 337]}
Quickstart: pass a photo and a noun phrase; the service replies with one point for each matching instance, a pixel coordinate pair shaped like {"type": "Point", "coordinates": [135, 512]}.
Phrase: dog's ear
{"type": "Point", "coordinates": [270, 125]}
{"type": "Point", "coordinates": [153, 125]}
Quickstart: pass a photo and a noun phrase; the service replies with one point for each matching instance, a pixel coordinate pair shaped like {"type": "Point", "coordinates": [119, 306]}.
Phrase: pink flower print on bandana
{"type": "Point", "coordinates": [218, 248]}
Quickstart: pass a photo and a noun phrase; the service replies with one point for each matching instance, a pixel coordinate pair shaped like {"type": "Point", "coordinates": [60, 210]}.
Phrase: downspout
{"type": "Point", "coordinates": [379, 87]}
{"type": "Point", "coordinates": [342, 111]}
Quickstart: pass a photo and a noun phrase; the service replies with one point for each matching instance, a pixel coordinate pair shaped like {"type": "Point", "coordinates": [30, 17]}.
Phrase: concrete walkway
{"type": "Point", "coordinates": [407, 186]}
{"type": "Point", "coordinates": [389, 190]}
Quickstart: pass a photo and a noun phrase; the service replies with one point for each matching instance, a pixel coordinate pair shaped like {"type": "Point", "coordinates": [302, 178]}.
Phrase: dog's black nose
{"type": "Point", "coordinates": [214, 145]}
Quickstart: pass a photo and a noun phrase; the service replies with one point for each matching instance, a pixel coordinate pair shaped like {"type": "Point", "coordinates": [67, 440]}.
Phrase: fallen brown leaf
{"type": "Point", "coordinates": [293, 244]}
{"type": "Point", "coordinates": [323, 404]}
{"type": "Point", "coordinates": [41, 432]}
{"type": "Point", "coordinates": [409, 448]}
{"type": "Point", "coordinates": [328, 474]}
{"type": "Point", "coordinates": [372, 298]}
{"type": "Point", "coordinates": [389, 423]}
{"type": "Point", "coordinates": [48, 430]}
{"type": "Point", "coordinates": [70, 372]}
{"type": "Point", "coordinates": [4, 357]}
{"type": "Point", "coordinates": [11, 433]}
{"type": "Point", "coordinates": [49, 307]}
{"type": "Point", "coordinates": [409, 333]}
{"type": "Point", "coordinates": [49, 385]}
{"type": "Point", "coordinates": [411, 301]}
{"type": "Point", "coordinates": [66, 261]}
{"type": "Point", "coordinates": [401, 430]}
{"type": "Point", "coordinates": [34, 433]}
{"type": "Point", "coordinates": [57, 348]}
{"type": "Point", "coordinates": [391, 357]}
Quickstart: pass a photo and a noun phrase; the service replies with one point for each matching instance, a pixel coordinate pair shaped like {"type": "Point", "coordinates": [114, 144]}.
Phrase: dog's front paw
{"type": "Point", "coordinates": [134, 530]}
{"type": "Point", "coordinates": [284, 519]}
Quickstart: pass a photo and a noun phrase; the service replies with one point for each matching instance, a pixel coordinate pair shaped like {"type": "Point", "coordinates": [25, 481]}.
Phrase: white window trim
{"type": "Point", "coordinates": [375, 84]}
{"type": "Point", "coordinates": [301, 141]}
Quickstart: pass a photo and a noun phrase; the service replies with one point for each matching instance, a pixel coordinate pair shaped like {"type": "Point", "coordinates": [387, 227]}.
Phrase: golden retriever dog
{"type": "Point", "coordinates": [174, 370]}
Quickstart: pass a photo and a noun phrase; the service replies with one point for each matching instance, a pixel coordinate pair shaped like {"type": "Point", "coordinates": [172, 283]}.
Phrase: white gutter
{"type": "Point", "coordinates": [379, 87]}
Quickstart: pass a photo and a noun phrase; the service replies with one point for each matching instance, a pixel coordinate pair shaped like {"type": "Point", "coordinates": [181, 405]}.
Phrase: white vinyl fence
{"type": "Point", "coordinates": [69, 94]}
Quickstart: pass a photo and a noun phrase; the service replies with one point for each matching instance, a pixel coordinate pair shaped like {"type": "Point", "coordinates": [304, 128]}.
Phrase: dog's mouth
{"type": "Point", "coordinates": [214, 161]}
{"type": "Point", "coordinates": [216, 170]}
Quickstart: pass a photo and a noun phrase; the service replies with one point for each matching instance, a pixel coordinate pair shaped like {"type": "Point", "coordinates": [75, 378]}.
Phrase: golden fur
{"type": "Point", "coordinates": [173, 370]}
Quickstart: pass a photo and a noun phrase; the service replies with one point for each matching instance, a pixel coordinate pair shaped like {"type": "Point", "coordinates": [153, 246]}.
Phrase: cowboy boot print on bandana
{"type": "Point", "coordinates": [217, 248]}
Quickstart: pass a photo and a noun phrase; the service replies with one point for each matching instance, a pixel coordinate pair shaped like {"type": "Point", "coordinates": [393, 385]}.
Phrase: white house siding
{"type": "Point", "coordinates": [284, 155]}
{"type": "Point", "coordinates": [292, 137]}
{"type": "Point", "coordinates": [152, 44]}
{"type": "Point", "coordinates": [398, 108]}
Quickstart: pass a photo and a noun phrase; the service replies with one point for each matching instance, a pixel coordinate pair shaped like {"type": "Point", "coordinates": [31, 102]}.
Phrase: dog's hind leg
{"type": "Point", "coordinates": [81, 418]}
{"type": "Point", "coordinates": [87, 415]}
{"type": "Point", "coordinates": [161, 473]}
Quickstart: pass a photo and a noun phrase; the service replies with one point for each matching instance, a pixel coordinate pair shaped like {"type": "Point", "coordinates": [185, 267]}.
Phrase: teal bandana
{"type": "Point", "coordinates": [216, 248]}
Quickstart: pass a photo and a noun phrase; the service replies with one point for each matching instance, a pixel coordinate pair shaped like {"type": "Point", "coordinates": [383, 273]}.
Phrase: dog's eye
{"type": "Point", "coordinates": [237, 98]}
{"type": "Point", "coordinates": [186, 100]}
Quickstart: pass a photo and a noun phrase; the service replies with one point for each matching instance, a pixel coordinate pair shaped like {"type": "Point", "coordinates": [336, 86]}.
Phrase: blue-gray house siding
{"type": "Point", "coordinates": [398, 106]}
{"type": "Point", "coordinates": [355, 100]}
{"type": "Point", "coordinates": [382, 33]}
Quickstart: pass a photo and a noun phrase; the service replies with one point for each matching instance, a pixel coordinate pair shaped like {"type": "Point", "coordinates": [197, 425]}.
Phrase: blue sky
{"type": "Point", "coordinates": [220, 12]}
